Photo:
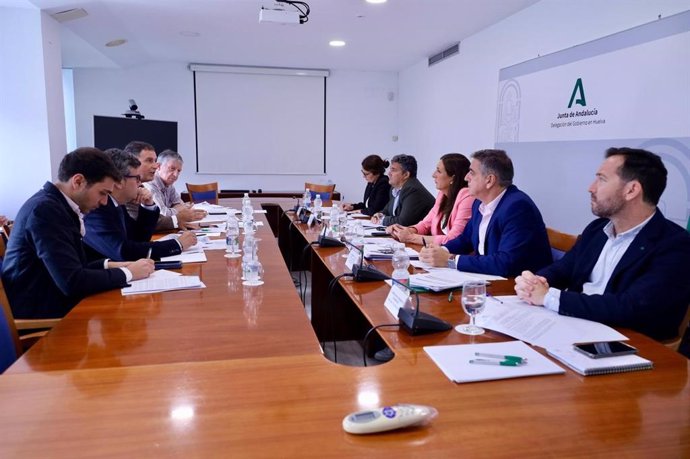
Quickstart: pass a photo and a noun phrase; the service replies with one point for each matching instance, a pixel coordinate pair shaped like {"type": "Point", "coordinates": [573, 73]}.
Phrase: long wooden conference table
{"type": "Point", "coordinates": [235, 371]}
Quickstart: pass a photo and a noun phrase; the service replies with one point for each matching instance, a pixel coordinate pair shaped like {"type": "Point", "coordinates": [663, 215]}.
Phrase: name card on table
{"type": "Point", "coordinates": [396, 299]}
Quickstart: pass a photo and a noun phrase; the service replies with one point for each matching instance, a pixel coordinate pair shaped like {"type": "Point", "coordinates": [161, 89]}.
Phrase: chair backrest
{"type": "Point", "coordinates": [205, 192]}
{"type": "Point", "coordinates": [674, 343]}
{"type": "Point", "coordinates": [7, 228]}
{"type": "Point", "coordinates": [10, 347]}
{"type": "Point", "coordinates": [325, 191]}
{"type": "Point", "coordinates": [560, 242]}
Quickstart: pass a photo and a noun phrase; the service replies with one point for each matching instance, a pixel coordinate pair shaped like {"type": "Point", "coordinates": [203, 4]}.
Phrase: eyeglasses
{"type": "Point", "coordinates": [137, 177]}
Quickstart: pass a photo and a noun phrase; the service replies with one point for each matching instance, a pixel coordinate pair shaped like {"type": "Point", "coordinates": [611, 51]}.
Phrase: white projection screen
{"type": "Point", "coordinates": [260, 121]}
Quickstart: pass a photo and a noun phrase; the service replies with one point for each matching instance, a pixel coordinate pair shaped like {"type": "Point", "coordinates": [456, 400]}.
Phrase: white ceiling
{"type": "Point", "coordinates": [384, 37]}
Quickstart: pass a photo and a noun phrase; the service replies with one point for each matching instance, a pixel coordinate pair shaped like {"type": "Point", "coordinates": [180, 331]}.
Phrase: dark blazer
{"type": "Point", "coordinates": [165, 222]}
{"type": "Point", "coordinates": [515, 239]}
{"type": "Point", "coordinates": [414, 203]}
{"type": "Point", "coordinates": [648, 290]}
{"type": "Point", "coordinates": [377, 193]}
{"type": "Point", "coordinates": [113, 233]}
{"type": "Point", "coordinates": [45, 271]}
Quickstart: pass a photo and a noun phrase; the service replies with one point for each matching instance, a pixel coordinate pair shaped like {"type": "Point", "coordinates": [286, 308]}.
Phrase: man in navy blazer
{"type": "Point", "coordinates": [110, 230]}
{"type": "Point", "coordinates": [506, 232]}
{"type": "Point", "coordinates": [628, 267]}
{"type": "Point", "coordinates": [45, 271]}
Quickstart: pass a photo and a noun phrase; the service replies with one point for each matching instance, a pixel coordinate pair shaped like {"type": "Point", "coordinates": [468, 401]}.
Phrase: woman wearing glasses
{"type": "Point", "coordinates": [377, 192]}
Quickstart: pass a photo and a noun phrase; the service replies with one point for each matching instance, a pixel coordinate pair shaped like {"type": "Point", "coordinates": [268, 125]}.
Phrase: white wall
{"type": "Point", "coordinates": [32, 125]}
{"type": "Point", "coordinates": [452, 106]}
{"type": "Point", "coordinates": [360, 119]}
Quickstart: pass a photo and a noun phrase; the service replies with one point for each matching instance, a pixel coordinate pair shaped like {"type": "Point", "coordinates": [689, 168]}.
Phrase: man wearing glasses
{"type": "Point", "coordinates": [110, 230]}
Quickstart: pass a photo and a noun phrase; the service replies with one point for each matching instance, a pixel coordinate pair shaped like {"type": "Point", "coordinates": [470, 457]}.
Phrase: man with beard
{"type": "Point", "coordinates": [627, 269]}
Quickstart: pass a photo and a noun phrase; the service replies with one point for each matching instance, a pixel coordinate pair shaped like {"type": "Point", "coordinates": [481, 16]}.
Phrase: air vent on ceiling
{"type": "Point", "coordinates": [70, 15]}
{"type": "Point", "coordinates": [445, 54]}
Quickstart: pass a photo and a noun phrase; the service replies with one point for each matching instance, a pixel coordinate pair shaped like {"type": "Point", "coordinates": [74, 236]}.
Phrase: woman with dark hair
{"type": "Point", "coordinates": [453, 207]}
{"type": "Point", "coordinates": [377, 190]}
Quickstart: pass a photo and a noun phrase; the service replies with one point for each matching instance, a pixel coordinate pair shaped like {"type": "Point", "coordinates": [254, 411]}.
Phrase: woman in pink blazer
{"type": "Point", "coordinates": [452, 209]}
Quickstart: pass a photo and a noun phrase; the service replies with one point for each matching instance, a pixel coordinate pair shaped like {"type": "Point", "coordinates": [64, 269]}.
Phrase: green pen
{"type": "Point", "coordinates": [503, 363]}
{"type": "Point", "coordinates": [507, 358]}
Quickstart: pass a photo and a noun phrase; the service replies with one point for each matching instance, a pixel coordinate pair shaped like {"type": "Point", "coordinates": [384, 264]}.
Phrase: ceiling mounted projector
{"type": "Point", "coordinates": [279, 15]}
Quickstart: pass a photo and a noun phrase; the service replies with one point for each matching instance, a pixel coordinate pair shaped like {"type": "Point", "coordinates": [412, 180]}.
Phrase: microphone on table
{"type": "Point", "coordinates": [328, 241]}
{"type": "Point", "coordinates": [417, 322]}
{"type": "Point", "coordinates": [413, 322]}
{"type": "Point", "coordinates": [365, 273]}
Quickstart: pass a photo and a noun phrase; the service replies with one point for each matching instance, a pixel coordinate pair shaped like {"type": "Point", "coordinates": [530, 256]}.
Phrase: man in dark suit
{"type": "Point", "coordinates": [110, 230]}
{"type": "Point", "coordinates": [628, 267]}
{"type": "Point", "coordinates": [45, 271]}
{"type": "Point", "coordinates": [506, 232]}
{"type": "Point", "coordinates": [410, 201]}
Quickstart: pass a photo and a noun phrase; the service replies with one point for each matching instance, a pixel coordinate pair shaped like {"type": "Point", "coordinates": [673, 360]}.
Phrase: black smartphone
{"type": "Point", "coordinates": [168, 265]}
{"type": "Point", "coordinates": [605, 349]}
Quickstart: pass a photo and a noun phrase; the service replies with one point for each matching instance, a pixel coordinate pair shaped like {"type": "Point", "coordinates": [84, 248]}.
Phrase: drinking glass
{"type": "Point", "coordinates": [253, 273]}
{"type": "Point", "coordinates": [473, 300]}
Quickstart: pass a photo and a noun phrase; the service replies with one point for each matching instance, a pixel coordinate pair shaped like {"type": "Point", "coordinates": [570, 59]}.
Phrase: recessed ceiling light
{"type": "Point", "coordinates": [189, 33]}
{"type": "Point", "coordinates": [336, 43]}
{"type": "Point", "coordinates": [377, 1]}
{"type": "Point", "coordinates": [118, 42]}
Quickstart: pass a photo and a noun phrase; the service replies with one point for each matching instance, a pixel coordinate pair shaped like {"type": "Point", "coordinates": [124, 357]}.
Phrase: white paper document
{"type": "Point", "coordinates": [438, 279]}
{"type": "Point", "coordinates": [357, 215]}
{"type": "Point", "coordinates": [187, 257]}
{"type": "Point", "coordinates": [156, 284]}
{"type": "Point", "coordinates": [454, 361]}
{"type": "Point", "coordinates": [540, 326]}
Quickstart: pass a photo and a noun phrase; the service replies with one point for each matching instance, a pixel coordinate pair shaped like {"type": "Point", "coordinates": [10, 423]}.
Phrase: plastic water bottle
{"type": "Point", "coordinates": [306, 199]}
{"type": "Point", "coordinates": [248, 250]}
{"type": "Point", "coordinates": [334, 222]}
{"type": "Point", "coordinates": [246, 201]}
{"type": "Point", "coordinates": [318, 204]}
{"type": "Point", "coordinates": [232, 235]}
{"type": "Point", "coordinates": [401, 261]}
{"type": "Point", "coordinates": [342, 221]}
{"type": "Point", "coordinates": [248, 218]}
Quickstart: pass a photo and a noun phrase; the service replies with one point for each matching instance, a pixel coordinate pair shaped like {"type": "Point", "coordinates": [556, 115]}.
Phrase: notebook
{"type": "Point", "coordinates": [454, 361]}
{"type": "Point", "coordinates": [588, 366]}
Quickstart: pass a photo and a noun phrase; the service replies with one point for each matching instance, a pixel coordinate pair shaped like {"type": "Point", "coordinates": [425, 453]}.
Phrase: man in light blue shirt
{"type": "Point", "coordinates": [628, 267]}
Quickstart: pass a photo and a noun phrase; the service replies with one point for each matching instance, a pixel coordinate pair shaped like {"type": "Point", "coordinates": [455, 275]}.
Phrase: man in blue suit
{"type": "Point", "coordinates": [110, 230]}
{"type": "Point", "coordinates": [45, 271]}
{"type": "Point", "coordinates": [628, 267]}
{"type": "Point", "coordinates": [506, 232]}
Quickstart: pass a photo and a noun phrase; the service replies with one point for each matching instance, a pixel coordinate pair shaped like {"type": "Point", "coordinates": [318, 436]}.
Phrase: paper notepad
{"type": "Point", "coordinates": [454, 361]}
{"type": "Point", "coordinates": [162, 284]}
{"type": "Point", "coordinates": [588, 366]}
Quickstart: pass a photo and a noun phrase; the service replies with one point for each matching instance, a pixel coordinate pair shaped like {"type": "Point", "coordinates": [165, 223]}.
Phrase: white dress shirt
{"type": "Point", "coordinates": [487, 210]}
{"type": "Point", "coordinates": [611, 254]}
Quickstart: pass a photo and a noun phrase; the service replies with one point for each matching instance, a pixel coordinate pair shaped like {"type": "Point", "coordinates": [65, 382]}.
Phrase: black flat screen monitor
{"type": "Point", "coordinates": [114, 132]}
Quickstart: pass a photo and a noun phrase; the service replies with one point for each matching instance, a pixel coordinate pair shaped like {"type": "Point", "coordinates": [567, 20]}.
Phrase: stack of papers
{"type": "Point", "coordinates": [540, 326]}
{"type": "Point", "coordinates": [438, 279]}
{"type": "Point", "coordinates": [163, 281]}
{"type": "Point", "coordinates": [454, 361]}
